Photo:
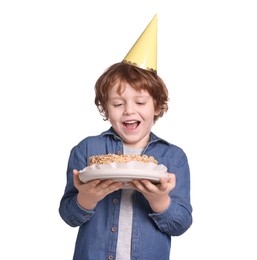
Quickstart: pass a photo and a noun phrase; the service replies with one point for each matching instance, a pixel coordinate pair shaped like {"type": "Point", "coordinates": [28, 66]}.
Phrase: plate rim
{"type": "Point", "coordinates": [87, 175]}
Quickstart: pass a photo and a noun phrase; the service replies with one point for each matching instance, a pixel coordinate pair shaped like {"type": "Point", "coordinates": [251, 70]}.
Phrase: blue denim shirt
{"type": "Point", "coordinates": [151, 232]}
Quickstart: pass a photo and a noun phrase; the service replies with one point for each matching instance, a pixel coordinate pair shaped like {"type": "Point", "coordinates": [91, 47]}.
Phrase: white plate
{"type": "Point", "coordinates": [124, 172]}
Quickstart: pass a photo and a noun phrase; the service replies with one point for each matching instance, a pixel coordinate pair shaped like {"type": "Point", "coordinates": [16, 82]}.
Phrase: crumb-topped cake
{"type": "Point", "coordinates": [123, 158]}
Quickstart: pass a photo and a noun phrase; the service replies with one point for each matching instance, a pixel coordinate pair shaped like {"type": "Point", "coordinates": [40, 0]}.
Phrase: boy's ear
{"type": "Point", "coordinates": [157, 111]}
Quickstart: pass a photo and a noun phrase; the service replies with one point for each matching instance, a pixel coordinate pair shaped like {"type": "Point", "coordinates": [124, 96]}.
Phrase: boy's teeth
{"type": "Point", "coordinates": [130, 122]}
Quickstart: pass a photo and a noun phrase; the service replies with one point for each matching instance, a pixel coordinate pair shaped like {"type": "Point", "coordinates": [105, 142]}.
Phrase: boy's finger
{"type": "Point", "coordinates": [76, 177]}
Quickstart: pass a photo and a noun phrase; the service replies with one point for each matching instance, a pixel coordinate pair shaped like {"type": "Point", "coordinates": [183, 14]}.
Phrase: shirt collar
{"type": "Point", "coordinates": [153, 137]}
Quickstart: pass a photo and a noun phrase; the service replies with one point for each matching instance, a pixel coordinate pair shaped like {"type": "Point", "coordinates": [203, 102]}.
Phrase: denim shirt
{"type": "Point", "coordinates": [151, 232]}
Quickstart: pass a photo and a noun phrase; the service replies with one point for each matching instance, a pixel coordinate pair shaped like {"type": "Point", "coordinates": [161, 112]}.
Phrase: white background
{"type": "Point", "coordinates": [51, 54]}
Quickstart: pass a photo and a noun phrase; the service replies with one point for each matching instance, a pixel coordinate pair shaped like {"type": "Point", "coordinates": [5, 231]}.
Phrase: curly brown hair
{"type": "Point", "coordinates": [139, 79]}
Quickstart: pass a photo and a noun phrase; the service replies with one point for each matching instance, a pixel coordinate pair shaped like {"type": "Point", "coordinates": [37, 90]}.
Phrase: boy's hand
{"type": "Point", "coordinates": [156, 194]}
{"type": "Point", "coordinates": [90, 193]}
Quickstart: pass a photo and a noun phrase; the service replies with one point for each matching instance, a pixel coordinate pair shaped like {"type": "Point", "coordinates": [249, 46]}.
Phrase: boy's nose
{"type": "Point", "coordinates": [128, 109]}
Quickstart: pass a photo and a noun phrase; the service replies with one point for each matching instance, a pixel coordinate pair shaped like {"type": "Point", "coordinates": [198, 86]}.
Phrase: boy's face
{"type": "Point", "coordinates": [131, 115]}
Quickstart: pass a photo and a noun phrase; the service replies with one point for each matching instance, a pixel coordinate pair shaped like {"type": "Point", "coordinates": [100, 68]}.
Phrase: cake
{"type": "Point", "coordinates": [123, 158]}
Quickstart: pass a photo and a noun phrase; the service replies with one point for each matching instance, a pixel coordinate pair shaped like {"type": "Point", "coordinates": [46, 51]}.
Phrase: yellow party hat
{"type": "Point", "coordinates": [143, 53]}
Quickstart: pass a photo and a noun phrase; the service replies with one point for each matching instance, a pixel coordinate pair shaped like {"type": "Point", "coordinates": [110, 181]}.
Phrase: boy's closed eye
{"type": "Point", "coordinates": [118, 104]}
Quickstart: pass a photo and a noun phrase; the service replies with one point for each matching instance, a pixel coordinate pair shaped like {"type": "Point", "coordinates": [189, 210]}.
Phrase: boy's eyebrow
{"type": "Point", "coordinates": [112, 98]}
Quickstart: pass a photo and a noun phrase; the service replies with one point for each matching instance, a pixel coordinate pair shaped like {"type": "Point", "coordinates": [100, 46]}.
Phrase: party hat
{"type": "Point", "coordinates": [143, 53]}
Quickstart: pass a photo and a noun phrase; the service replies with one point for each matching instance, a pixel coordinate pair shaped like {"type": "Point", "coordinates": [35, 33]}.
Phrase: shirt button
{"type": "Point", "coordinates": [110, 257]}
{"type": "Point", "coordinates": [115, 201]}
{"type": "Point", "coordinates": [114, 229]}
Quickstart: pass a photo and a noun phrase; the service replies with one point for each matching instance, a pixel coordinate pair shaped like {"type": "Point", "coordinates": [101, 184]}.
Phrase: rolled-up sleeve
{"type": "Point", "coordinates": [178, 217]}
{"type": "Point", "coordinates": [70, 211]}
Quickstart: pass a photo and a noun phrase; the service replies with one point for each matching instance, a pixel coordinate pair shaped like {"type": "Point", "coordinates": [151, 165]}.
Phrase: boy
{"type": "Point", "coordinates": [136, 223]}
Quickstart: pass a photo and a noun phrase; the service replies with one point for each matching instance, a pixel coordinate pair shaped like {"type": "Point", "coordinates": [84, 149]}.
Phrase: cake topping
{"type": "Point", "coordinates": [124, 158]}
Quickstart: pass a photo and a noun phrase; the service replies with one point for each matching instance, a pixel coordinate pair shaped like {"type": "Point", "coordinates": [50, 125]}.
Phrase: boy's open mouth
{"type": "Point", "coordinates": [132, 124]}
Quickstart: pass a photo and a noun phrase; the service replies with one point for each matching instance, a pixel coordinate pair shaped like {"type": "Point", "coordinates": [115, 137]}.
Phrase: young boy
{"type": "Point", "coordinates": [136, 223]}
